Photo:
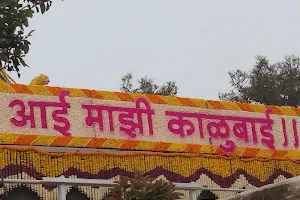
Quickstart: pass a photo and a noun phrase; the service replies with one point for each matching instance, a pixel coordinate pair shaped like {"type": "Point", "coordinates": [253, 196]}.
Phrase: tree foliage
{"type": "Point", "coordinates": [148, 86]}
{"type": "Point", "coordinates": [142, 188]}
{"type": "Point", "coordinates": [14, 43]}
{"type": "Point", "coordinates": [266, 83]}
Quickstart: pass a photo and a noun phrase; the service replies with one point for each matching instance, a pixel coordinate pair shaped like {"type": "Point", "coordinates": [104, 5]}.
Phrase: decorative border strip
{"type": "Point", "coordinates": [155, 99]}
{"type": "Point", "coordinates": [188, 150]}
{"type": "Point", "coordinates": [223, 182]}
{"type": "Point", "coordinates": [30, 156]}
{"type": "Point", "coordinates": [213, 171]}
{"type": "Point", "coordinates": [49, 192]}
{"type": "Point", "coordinates": [205, 178]}
{"type": "Point", "coordinates": [44, 140]}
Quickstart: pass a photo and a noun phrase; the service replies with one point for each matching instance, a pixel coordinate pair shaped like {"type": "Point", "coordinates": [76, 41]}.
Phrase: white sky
{"type": "Point", "coordinates": [92, 43]}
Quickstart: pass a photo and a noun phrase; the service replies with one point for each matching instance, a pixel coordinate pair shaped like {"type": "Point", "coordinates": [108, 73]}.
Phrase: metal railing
{"type": "Point", "coordinates": [61, 182]}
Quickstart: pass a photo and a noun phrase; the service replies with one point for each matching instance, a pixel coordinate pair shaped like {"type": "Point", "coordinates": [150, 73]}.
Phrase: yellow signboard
{"type": "Point", "coordinates": [53, 116]}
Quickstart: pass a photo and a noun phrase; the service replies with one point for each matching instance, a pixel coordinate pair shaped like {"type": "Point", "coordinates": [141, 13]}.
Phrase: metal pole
{"type": "Point", "coordinates": [193, 195]}
{"type": "Point", "coordinates": [61, 194]}
{"type": "Point", "coordinates": [195, 186]}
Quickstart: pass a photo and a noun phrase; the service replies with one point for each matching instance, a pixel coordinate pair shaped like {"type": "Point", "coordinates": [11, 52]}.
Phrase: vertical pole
{"type": "Point", "coordinates": [61, 192]}
{"type": "Point", "coordinates": [193, 195]}
{"type": "Point", "coordinates": [61, 195]}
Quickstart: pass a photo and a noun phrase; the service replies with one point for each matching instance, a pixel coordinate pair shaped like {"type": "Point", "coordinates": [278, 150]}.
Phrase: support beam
{"type": "Point", "coordinates": [193, 195]}
{"type": "Point", "coordinates": [61, 195]}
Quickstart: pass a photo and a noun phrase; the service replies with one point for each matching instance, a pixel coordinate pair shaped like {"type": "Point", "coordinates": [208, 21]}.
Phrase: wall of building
{"type": "Point", "coordinates": [217, 144]}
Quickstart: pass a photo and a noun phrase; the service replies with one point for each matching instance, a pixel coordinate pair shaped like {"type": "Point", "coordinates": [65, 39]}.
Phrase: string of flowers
{"type": "Point", "coordinates": [244, 159]}
{"type": "Point", "coordinates": [175, 167]}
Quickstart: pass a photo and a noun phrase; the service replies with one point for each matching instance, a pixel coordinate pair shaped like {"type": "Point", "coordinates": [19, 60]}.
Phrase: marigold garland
{"type": "Point", "coordinates": [209, 170]}
{"type": "Point", "coordinates": [146, 153]}
{"type": "Point", "coordinates": [184, 165]}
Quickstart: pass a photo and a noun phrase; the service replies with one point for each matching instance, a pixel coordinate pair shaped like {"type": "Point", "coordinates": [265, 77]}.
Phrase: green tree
{"type": "Point", "coordinates": [267, 83]}
{"type": "Point", "coordinates": [147, 86]}
{"type": "Point", "coordinates": [142, 187]}
{"type": "Point", "coordinates": [14, 43]}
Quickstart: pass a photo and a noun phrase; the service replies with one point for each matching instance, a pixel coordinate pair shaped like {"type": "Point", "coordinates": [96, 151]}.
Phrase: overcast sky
{"type": "Point", "coordinates": [92, 43]}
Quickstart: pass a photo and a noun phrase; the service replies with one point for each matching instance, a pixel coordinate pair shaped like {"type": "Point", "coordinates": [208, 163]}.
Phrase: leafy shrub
{"type": "Point", "coordinates": [142, 188]}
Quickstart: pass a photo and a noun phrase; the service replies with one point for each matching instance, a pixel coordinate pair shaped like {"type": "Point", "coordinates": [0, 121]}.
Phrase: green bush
{"type": "Point", "coordinates": [142, 188]}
